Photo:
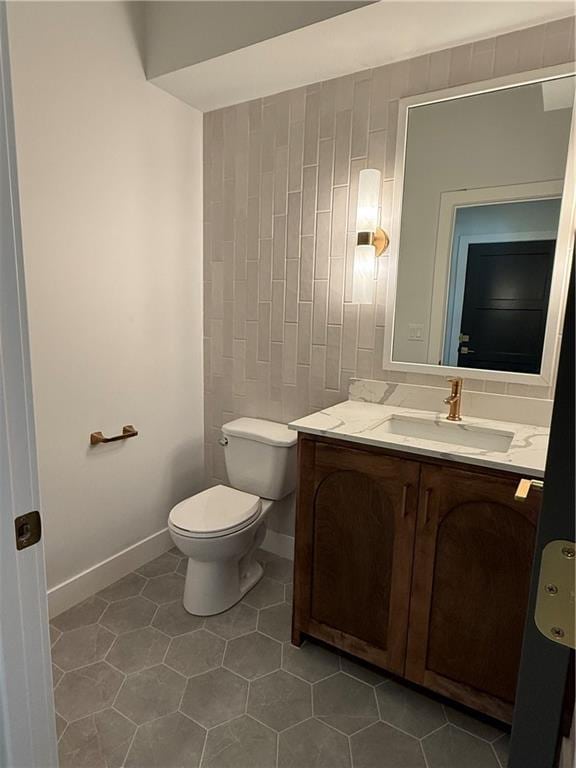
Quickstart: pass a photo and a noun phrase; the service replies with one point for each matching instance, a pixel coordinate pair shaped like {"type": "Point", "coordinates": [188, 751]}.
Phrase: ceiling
{"type": "Point", "coordinates": [377, 34]}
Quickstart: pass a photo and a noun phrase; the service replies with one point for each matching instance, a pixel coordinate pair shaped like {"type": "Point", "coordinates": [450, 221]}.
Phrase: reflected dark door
{"type": "Point", "coordinates": [505, 305]}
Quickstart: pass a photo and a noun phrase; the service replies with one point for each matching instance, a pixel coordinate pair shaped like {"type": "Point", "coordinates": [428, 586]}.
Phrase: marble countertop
{"type": "Point", "coordinates": [365, 423]}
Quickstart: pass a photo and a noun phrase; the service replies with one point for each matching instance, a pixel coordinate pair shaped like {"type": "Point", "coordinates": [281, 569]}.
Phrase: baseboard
{"type": "Point", "coordinates": [279, 544]}
{"type": "Point", "coordinates": [85, 584]}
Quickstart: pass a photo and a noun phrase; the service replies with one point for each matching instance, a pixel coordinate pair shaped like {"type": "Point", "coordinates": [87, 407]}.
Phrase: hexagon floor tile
{"type": "Point", "coordinates": [141, 683]}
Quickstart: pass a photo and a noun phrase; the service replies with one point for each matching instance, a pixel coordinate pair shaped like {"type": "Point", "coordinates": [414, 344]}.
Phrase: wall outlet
{"type": "Point", "coordinates": [415, 332]}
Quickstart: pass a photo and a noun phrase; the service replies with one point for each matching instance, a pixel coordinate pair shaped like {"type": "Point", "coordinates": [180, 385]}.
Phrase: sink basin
{"type": "Point", "coordinates": [455, 433]}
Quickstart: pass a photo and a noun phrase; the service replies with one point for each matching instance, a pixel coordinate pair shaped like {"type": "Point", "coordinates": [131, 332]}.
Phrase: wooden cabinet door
{"type": "Point", "coordinates": [355, 530]}
{"type": "Point", "coordinates": [473, 555]}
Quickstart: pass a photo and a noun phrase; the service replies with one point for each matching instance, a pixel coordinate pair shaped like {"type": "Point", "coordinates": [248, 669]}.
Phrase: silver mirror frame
{"type": "Point", "coordinates": [564, 242]}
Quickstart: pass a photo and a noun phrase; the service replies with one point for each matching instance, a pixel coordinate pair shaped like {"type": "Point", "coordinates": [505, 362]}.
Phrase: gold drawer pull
{"type": "Point", "coordinates": [524, 486]}
{"type": "Point", "coordinates": [128, 431]}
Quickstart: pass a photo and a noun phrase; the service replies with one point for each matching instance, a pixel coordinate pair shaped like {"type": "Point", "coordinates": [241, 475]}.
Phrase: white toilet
{"type": "Point", "coordinates": [220, 529]}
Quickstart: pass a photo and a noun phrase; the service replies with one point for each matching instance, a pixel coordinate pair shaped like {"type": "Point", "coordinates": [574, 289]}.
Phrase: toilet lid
{"type": "Point", "coordinates": [215, 511]}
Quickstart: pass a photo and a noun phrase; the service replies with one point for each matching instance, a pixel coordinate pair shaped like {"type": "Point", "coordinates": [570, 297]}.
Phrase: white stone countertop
{"type": "Point", "coordinates": [365, 423]}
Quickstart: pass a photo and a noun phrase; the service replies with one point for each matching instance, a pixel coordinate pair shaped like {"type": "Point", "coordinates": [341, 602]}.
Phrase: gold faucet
{"type": "Point", "coordinates": [454, 399]}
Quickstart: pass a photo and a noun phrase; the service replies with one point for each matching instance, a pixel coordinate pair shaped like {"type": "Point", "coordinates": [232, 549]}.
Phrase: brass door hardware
{"type": "Point", "coordinates": [453, 400]}
{"type": "Point", "coordinates": [28, 529]}
{"type": "Point", "coordinates": [554, 614]}
{"type": "Point", "coordinates": [127, 431]}
{"type": "Point", "coordinates": [524, 486]}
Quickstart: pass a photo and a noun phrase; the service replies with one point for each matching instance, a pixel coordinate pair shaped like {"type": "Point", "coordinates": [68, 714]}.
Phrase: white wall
{"type": "Point", "coordinates": [110, 184]}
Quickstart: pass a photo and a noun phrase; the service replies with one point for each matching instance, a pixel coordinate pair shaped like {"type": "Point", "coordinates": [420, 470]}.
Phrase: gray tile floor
{"type": "Point", "coordinates": [140, 683]}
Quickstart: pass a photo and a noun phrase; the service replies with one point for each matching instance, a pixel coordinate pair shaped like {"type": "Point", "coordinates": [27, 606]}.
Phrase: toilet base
{"type": "Point", "coordinates": [215, 587]}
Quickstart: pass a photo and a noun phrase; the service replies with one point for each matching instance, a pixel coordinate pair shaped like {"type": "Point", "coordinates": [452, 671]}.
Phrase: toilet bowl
{"type": "Point", "coordinates": [220, 529]}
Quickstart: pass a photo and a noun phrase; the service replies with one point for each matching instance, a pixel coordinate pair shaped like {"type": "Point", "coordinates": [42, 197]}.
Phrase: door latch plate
{"type": "Point", "coordinates": [28, 529]}
{"type": "Point", "coordinates": [554, 614]}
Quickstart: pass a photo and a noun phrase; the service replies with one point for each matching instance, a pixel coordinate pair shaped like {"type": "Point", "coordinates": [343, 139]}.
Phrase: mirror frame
{"type": "Point", "coordinates": [564, 240]}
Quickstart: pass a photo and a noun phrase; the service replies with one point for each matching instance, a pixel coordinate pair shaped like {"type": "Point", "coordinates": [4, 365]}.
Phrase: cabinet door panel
{"type": "Point", "coordinates": [354, 546]}
{"type": "Point", "coordinates": [473, 557]}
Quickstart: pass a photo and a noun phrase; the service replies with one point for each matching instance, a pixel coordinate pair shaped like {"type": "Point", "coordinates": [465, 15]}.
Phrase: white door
{"type": "Point", "coordinates": [27, 728]}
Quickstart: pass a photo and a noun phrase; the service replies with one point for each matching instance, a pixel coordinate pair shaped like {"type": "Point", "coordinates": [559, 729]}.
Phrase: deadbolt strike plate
{"type": "Point", "coordinates": [554, 614]}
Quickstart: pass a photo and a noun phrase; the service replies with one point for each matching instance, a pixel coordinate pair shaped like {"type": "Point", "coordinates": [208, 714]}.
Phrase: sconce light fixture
{"type": "Point", "coordinates": [371, 240]}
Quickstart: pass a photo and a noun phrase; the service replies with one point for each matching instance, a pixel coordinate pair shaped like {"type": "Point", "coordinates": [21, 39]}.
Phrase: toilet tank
{"type": "Point", "coordinates": [260, 457]}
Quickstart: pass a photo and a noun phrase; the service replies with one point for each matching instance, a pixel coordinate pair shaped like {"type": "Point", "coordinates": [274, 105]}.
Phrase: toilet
{"type": "Point", "coordinates": [220, 529]}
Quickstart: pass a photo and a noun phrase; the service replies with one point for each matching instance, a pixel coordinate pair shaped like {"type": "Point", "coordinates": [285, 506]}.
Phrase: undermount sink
{"type": "Point", "coordinates": [454, 433]}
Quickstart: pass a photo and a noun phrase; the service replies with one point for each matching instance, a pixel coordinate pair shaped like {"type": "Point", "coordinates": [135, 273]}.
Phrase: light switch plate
{"type": "Point", "coordinates": [415, 332]}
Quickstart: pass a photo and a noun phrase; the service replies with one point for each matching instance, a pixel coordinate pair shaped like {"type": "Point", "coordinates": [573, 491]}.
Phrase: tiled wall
{"type": "Point", "coordinates": [282, 337]}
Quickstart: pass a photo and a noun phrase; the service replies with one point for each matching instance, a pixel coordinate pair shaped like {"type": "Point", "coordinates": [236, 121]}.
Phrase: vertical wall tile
{"type": "Point", "coordinates": [264, 331]}
{"type": "Point", "coordinates": [297, 99]}
{"type": "Point", "coordinates": [379, 98]}
{"type": "Point", "coordinates": [531, 48]}
{"type": "Point", "coordinates": [317, 375]}
{"type": "Point", "coordinates": [295, 156]}
{"type": "Point", "coordinates": [266, 204]}
{"type": "Point", "coordinates": [342, 147]}
{"type": "Point", "coordinates": [277, 317]}
{"type": "Point", "coordinates": [418, 75]}
{"type": "Point", "coordinates": [251, 349]}
{"type": "Point", "coordinates": [311, 128]}
{"type": "Point", "coordinates": [366, 326]}
{"type": "Point", "coordinates": [350, 336]}
{"type": "Point", "coordinates": [460, 64]}
{"type": "Point", "coordinates": [265, 271]}
{"type": "Point", "coordinates": [252, 289]}
{"type": "Point", "coordinates": [322, 253]}
{"type": "Point", "coordinates": [377, 150]}
{"type": "Point", "coordinates": [439, 76]}
{"type": "Point", "coordinates": [334, 338]}
{"type": "Point", "coordinates": [482, 63]}
{"type": "Point", "coordinates": [253, 228]}
{"type": "Point", "coordinates": [325, 170]}
{"type": "Point", "coordinates": [327, 109]}
{"type": "Point", "coordinates": [336, 291]}
{"type": "Point", "coordinates": [290, 353]}
{"type": "Point", "coordinates": [304, 332]}
{"type": "Point", "coordinates": [306, 268]}
{"type": "Point", "coordinates": [282, 119]}
{"type": "Point", "coordinates": [359, 138]}
{"type": "Point", "coordinates": [280, 179]}
{"type": "Point", "coordinates": [506, 55]}
{"type": "Point", "coordinates": [267, 146]}
{"type": "Point", "coordinates": [291, 300]}
{"type": "Point", "coordinates": [279, 248]}
{"type": "Point", "coordinates": [339, 220]}
{"type": "Point", "coordinates": [320, 312]}
{"type": "Point", "coordinates": [255, 114]}
{"type": "Point", "coordinates": [276, 353]}
{"type": "Point", "coordinates": [293, 225]}
{"type": "Point", "coordinates": [239, 309]}
{"type": "Point", "coordinates": [559, 42]}
{"type": "Point", "coordinates": [309, 180]}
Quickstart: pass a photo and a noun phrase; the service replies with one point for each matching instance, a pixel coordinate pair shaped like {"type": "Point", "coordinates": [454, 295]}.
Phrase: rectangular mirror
{"type": "Point", "coordinates": [478, 280]}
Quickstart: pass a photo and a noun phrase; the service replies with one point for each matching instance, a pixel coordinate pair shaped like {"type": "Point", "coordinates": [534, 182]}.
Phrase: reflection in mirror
{"type": "Point", "coordinates": [483, 181]}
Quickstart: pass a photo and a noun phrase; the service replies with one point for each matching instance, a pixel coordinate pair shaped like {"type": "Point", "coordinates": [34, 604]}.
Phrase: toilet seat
{"type": "Point", "coordinates": [217, 511]}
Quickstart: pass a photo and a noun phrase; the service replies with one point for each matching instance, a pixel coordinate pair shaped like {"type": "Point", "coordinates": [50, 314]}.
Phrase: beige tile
{"type": "Point", "coordinates": [342, 147]}
{"type": "Point", "coordinates": [254, 114]}
{"type": "Point", "coordinates": [295, 156]}
{"type": "Point", "coordinates": [327, 109]}
{"type": "Point", "coordinates": [297, 99]}
{"type": "Point", "coordinates": [251, 349]}
{"type": "Point", "coordinates": [304, 332]}
{"type": "Point", "coordinates": [322, 251]}
{"type": "Point", "coordinates": [482, 63]}
{"type": "Point", "coordinates": [344, 95]}
{"type": "Point", "coordinates": [399, 72]}
{"type": "Point", "coordinates": [366, 326]}
{"type": "Point", "coordinates": [377, 150]}
{"type": "Point", "coordinates": [379, 97]}
{"type": "Point", "coordinates": [254, 150]}
{"type": "Point", "coordinates": [336, 291]}
{"type": "Point", "coordinates": [360, 113]}
{"type": "Point", "coordinates": [252, 228]}
{"type": "Point", "coordinates": [350, 336]}
{"type": "Point", "coordinates": [264, 331]}
{"type": "Point", "coordinates": [460, 63]}
{"type": "Point", "coordinates": [418, 74]}
{"type": "Point", "coordinates": [320, 312]}
{"type": "Point", "coordinates": [311, 128]}
{"type": "Point", "coordinates": [506, 55]}
{"type": "Point", "coordinates": [325, 170]}
{"type": "Point", "coordinates": [333, 351]}
{"type": "Point", "coordinates": [349, 265]}
{"type": "Point", "coordinates": [280, 180]}
{"type": "Point", "coordinates": [306, 268]}
{"type": "Point", "coordinates": [239, 367]}
{"type": "Point", "coordinates": [276, 355]}
{"type": "Point", "coordinates": [290, 353]}
{"type": "Point", "coordinates": [252, 281]}
{"type": "Point", "coordinates": [279, 248]}
{"type": "Point", "coordinates": [531, 48]}
{"type": "Point", "coordinates": [293, 225]}
{"type": "Point", "coordinates": [267, 148]}
{"type": "Point", "coordinates": [265, 271]}
{"type": "Point", "coordinates": [239, 309]}
{"type": "Point", "coordinates": [266, 204]}
{"type": "Point", "coordinates": [339, 213]}
{"type": "Point", "coordinates": [559, 42]}
{"type": "Point", "coordinates": [291, 299]}
{"type": "Point", "coordinates": [317, 373]}
{"type": "Point", "coordinates": [281, 119]}
{"type": "Point", "coordinates": [277, 318]}
{"type": "Point", "coordinates": [309, 181]}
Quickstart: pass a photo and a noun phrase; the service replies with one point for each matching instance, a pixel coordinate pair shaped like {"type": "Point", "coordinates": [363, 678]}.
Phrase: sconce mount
{"type": "Point", "coordinates": [379, 239]}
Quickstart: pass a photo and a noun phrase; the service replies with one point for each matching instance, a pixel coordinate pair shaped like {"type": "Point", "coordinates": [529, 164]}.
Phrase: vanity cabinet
{"type": "Point", "coordinates": [419, 567]}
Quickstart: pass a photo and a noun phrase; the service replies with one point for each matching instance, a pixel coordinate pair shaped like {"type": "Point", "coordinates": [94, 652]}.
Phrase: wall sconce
{"type": "Point", "coordinates": [371, 240]}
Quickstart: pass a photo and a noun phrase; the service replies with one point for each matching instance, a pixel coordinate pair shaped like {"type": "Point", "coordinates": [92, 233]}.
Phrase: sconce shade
{"type": "Point", "coordinates": [367, 217]}
{"type": "Point", "coordinates": [364, 274]}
